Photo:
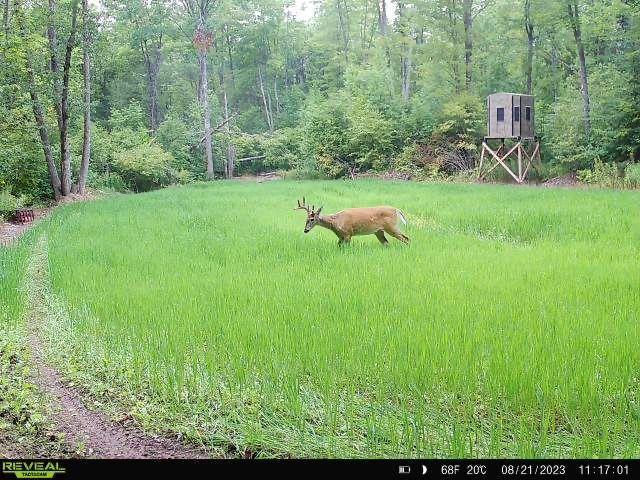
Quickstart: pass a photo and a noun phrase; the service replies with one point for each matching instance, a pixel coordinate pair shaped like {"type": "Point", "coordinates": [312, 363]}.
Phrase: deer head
{"type": "Point", "coordinates": [312, 214]}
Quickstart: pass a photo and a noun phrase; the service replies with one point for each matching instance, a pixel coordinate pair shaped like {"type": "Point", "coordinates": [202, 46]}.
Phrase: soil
{"type": "Point", "coordinates": [92, 433]}
{"type": "Point", "coordinates": [568, 180]}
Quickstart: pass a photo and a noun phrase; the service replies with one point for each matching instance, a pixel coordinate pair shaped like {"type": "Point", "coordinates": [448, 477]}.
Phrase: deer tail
{"type": "Point", "coordinates": [401, 216]}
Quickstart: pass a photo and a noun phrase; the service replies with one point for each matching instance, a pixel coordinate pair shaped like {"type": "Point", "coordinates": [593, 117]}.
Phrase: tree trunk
{"type": "Point", "coordinates": [86, 71]}
{"type": "Point", "coordinates": [574, 19]}
{"type": "Point", "coordinates": [382, 17]}
{"type": "Point", "coordinates": [528, 25]}
{"type": "Point", "coordinates": [275, 91]}
{"type": "Point", "coordinates": [267, 112]}
{"type": "Point", "coordinates": [6, 17]}
{"type": "Point", "coordinates": [65, 151]}
{"type": "Point", "coordinates": [231, 149]}
{"type": "Point", "coordinates": [344, 27]}
{"type": "Point", "coordinates": [206, 111]}
{"type": "Point", "coordinates": [54, 64]}
{"type": "Point", "coordinates": [152, 60]}
{"type": "Point", "coordinates": [38, 113]}
{"type": "Point", "coordinates": [468, 41]}
{"type": "Point", "coordinates": [405, 57]}
{"type": "Point", "coordinates": [406, 74]}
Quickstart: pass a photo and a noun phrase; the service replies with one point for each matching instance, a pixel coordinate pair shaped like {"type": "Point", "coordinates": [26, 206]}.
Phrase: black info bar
{"type": "Point", "coordinates": [401, 469]}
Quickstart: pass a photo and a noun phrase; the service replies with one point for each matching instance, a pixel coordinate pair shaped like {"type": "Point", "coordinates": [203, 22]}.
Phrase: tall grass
{"type": "Point", "coordinates": [509, 327]}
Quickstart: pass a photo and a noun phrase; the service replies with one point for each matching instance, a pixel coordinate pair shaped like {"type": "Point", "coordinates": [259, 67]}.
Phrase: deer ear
{"type": "Point", "coordinates": [318, 211]}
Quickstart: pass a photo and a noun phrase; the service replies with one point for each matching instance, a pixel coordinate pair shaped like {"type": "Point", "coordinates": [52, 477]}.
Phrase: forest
{"type": "Point", "coordinates": [136, 95]}
{"type": "Point", "coordinates": [208, 319]}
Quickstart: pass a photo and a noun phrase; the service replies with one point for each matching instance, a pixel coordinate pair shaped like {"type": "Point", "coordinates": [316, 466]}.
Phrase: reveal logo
{"type": "Point", "coordinates": [32, 469]}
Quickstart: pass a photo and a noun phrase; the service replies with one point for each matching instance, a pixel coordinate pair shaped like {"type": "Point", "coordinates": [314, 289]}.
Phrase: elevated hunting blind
{"type": "Point", "coordinates": [510, 116]}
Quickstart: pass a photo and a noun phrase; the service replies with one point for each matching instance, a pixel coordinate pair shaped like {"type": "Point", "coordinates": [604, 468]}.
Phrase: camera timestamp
{"type": "Point", "coordinates": [604, 469]}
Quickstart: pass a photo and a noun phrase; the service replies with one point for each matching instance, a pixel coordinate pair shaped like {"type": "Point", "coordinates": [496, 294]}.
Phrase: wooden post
{"type": "Point", "coordinates": [481, 161]}
{"type": "Point", "coordinates": [501, 160]}
{"type": "Point", "coordinates": [520, 178]}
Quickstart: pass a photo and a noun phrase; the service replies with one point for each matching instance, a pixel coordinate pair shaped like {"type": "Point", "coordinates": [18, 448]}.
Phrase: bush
{"type": "Point", "coordinates": [602, 175]}
{"type": "Point", "coordinates": [145, 167]}
{"type": "Point", "coordinates": [282, 149]}
{"type": "Point", "coordinates": [345, 134]}
{"type": "Point", "coordinates": [10, 203]}
{"type": "Point", "coordinates": [108, 181]}
{"type": "Point", "coordinates": [632, 175]}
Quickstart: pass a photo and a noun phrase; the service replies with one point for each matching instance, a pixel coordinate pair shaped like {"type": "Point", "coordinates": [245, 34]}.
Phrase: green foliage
{"type": "Point", "coordinates": [144, 167]}
{"type": "Point", "coordinates": [282, 149]}
{"type": "Point", "coordinates": [346, 134]}
{"type": "Point", "coordinates": [332, 88]}
{"type": "Point", "coordinates": [10, 203]}
{"type": "Point", "coordinates": [632, 175]}
{"type": "Point", "coordinates": [178, 138]}
{"type": "Point", "coordinates": [602, 175]}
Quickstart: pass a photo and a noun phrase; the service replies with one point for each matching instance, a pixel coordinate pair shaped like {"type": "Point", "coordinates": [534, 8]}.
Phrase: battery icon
{"type": "Point", "coordinates": [404, 469]}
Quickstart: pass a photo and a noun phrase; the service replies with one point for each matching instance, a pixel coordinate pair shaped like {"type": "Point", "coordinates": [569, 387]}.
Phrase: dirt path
{"type": "Point", "coordinates": [87, 432]}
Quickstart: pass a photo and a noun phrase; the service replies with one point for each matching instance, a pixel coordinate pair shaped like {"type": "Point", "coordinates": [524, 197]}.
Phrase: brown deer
{"type": "Point", "coordinates": [357, 221]}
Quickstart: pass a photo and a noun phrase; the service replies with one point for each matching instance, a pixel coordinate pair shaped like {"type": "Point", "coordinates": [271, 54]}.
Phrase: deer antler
{"type": "Point", "coordinates": [303, 206]}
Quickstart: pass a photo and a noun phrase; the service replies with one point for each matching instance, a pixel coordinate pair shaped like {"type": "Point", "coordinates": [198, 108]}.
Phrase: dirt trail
{"type": "Point", "coordinates": [87, 432]}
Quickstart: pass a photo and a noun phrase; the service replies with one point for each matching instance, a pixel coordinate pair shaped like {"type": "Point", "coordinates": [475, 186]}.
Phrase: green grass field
{"type": "Point", "coordinates": [509, 327]}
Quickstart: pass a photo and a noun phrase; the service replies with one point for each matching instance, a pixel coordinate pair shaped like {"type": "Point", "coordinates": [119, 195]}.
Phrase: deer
{"type": "Point", "coordinates": [357, 221]}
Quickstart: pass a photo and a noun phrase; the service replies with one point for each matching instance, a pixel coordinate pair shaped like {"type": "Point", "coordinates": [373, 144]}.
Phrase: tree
{"type": "Point", "coordinates": [574, 20]}
{"type": "Point", "coordinates": [529, 28]}
{"type": "Point", "coordinates": [86, 73]}
{"type": "Point", "coordinates": [200, 12]}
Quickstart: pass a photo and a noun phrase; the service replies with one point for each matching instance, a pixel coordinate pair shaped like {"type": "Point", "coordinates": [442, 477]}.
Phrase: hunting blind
{"type": "Point", "coordinates": [510, 116]}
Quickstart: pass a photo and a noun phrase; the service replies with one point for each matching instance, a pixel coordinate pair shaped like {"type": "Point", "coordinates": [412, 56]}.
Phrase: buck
{"type": "Point", "coordinates": [357, 221]}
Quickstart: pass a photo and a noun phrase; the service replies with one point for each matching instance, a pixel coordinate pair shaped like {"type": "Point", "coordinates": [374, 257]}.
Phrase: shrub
{"type": "Point", "coordinates": [282, 149]}
{"type": "Point", "coordinates": [632, 175]}
{"type": "Point", "coordinates": [602, 175]}
{"type": "Point", "coordinates": [10, 203]}
{"type": "Point", "coordinates": [144, 167]}
{"type": "Point", "coordinates": [346, 134]}
{"type": "Point", "coordinates": [108, 181]}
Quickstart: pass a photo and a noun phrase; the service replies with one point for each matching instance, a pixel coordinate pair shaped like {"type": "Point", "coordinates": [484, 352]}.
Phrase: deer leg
{"type": "Point", "coordinates": [395, 233]}
{"type": "Point", "coordinates": [343, 241]}
{"type": "Point", "coordinates": [382, 238]}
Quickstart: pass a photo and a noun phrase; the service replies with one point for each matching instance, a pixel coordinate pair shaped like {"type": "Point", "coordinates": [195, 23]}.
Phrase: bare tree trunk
{"type": "Point", "coordinates": [231, 148]}
{"type": "Point", "coordinates": [341, 7]}
{"type": "Point", "coordinates": [406, 74]}
{"type": "Point", "coordinates": [152, 60]}
{"type": "Point", "coordinates": [65, 151]}
{"type": "Point", "coordinates": [267, 112]}
{"type": "Point", "coordinates": [574, 18]}
{"type": "Point", "coordinates": [206, 111]}
{"type": "Point", "coordinates": [275, 91]}
{"type": "Point", "coordinates": [528, 25]}
{"type": "Point", "coordinates": [405, 57]}
{"type": "Point", "coordinates": [86, 71]}
{"type": "Point", "coordinates": [382, 17]}
{"type": "Point", "coordinates": [468, 41]}
{"type": "Point", "coordinates": [54, 64]}
{"type": "Point", "coordinates": [6, 17]}
{"type": "Point", "coordinates": [38, 113]}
